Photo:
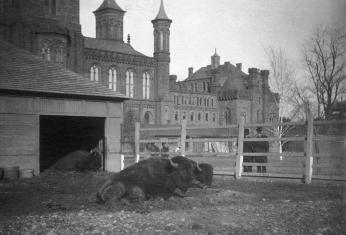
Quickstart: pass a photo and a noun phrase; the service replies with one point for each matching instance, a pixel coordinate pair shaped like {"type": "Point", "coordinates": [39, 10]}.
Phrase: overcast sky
{"type": "Point", "coordinates": [240, 30]}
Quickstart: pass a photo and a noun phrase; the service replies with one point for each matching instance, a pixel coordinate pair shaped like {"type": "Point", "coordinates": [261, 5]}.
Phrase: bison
{"type": "Point", "coordinates": [205, 174]}
{"type": "Point", "coordinates": [151, 178]}
{"type": "Point", "coordinates": [79, 160]}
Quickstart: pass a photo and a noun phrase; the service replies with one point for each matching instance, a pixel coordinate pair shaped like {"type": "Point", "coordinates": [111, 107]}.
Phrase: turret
{"type": "Point", "coordinates": [265, 78]}
{"type": "Point", "coordinates": [161, 26]}
{"type": "Point", "coordinates": [215, 60]}
{"type": "Point", "coordinates": [109, 21]}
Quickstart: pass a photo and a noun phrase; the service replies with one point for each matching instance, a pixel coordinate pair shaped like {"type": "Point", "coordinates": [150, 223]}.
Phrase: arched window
{"type": "Point", "coordinates": [51, 6]}
{"type": "Point", "coordinates": [146, 85]}
{"type": "Point", "coordinates": [112, 79]}
{"type": "Point", "coordinates": [192, 116]}
{"type": "Point", "coordinates": [148, 117]}
{"type": "Point", "coordinates": [94, 73]}
{"type": "Point", "coordinates": [46, 51]}
{"type": "Point", "coordinates": [60, 54]}
{"type": "Point", "coordinates": [2, 9]}
{"type": "Point", "coordinates": [129, 83]}
{"type": "Point", "coordinates": [161, 41]}
{"type": "Point", "coordinates": [206, 117]}
{"type": "Point", "coordinates": [228, 116]}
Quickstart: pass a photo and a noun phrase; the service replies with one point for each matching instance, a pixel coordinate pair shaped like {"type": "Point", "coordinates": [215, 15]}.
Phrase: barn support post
{"type": "Point", "coordinates": [137, 144]}
{"type": "Point", "coordinates": [183, 137]}
{"type": "Point", "coordinates": [239, 161]}
{"type": "Point", "coordinates": [309, 149]}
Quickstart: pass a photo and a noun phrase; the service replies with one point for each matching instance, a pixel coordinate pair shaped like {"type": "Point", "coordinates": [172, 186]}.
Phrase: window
{"type": "Point", "coordinates": [2, 7]}
{"type": "Point", "coordinates": [94, 73]}
{"type": "Point", "coordinates": [228, 116]}
{"type": "Point", "coordinates": [176, 116]}
{"type": "Point", "coordinates": [184, 115]}
{"type": "Point", "coordinates": [45, 51]}
{"type": "Point", "coordinates": [199, 117]}
{"type": "Point", "coordinates": [214, 117]}
{"type": "Point", "coordinates": [259, 100]}
{"type": "Point", "coordinates": [212, 102]}
{"type": "Point", "coordinates": [258, 116]}
{"type": "Point", "coordinates": [206, 117]}
{"type": "Point", "coordinates": [60, 55]}
{"type": "Point", "coordinates": [50, 6]}
{"type": "Point", "coordinates": [146, 85]}
{"type": "Point", "coordinates": [192, 116]}
{"type": "Point", "coordinates": [129, 83]}
{"type": "Point", "coordinates": [161, 41]}
{"type": "Point", "coordinates": [112, 79]}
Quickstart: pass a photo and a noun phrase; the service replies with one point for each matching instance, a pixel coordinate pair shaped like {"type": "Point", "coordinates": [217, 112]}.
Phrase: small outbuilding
{"type": "Point", "coordinates": [47, 111]}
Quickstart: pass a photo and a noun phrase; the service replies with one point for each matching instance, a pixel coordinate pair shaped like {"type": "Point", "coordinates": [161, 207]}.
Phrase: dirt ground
{"type": "Point", "coordinates": [64, 203]}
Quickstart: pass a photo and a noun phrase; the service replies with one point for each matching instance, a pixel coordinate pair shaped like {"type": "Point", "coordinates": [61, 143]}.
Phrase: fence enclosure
{"type": "Point", "coordinates": [314, 151]}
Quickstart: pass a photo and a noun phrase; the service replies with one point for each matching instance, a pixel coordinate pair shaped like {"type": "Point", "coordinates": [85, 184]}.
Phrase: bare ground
{"type": "Point", "coordinates": [64, 203]}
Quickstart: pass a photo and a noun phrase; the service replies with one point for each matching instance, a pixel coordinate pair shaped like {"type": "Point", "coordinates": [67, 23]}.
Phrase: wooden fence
{"type": "Point", "coordinates": [196, 143]}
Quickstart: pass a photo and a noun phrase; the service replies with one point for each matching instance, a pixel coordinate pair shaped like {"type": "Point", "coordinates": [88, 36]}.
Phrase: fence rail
{"type": "Point", "coordinates": [226, 152]}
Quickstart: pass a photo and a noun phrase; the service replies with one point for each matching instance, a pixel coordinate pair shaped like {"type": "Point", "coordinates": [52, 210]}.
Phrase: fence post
{"type": "Point", "coordinates": [122, 162]}
{"type": "Point", "coordinates": [309, 148]}
{"type": "Point", "coordinates": [183, 137]}
{"type": "Point", "coordinates": [137, 126]}
{"type": "Point", "coordinates": [239, 162]}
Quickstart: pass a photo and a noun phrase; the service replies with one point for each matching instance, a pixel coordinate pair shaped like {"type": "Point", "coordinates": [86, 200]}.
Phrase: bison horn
{"type": "Point", "coordinates": [173, 164]}
{"type": "Point", "coordinates": [198, 168]}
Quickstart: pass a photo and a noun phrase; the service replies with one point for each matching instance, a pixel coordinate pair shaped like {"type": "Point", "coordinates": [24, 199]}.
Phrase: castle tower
{"type": "Point", "coordinates": [161, 50]}
{"type": "Point", "coordinates": [215, 60]}
{"type": "Point", "coordinates": [109, 21]}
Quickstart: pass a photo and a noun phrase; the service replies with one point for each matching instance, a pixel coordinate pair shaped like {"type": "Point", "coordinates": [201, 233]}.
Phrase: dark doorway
{"type": "Point", "coordinates": [60, 135]}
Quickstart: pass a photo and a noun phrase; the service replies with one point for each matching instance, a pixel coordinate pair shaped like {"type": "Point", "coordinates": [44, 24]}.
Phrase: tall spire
{"type": "Point", "coordinates": [162, 14]}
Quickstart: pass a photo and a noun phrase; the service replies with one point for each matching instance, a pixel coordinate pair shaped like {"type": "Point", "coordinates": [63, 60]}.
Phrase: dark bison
{"type": "Point", "coordinates": [79, 160]}
{"type": "Point", "coordinates": [150, 178]}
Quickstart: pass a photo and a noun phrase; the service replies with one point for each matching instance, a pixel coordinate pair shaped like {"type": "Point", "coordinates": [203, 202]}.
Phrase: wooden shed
{"type": "Point", "coordinates": [47, 111]}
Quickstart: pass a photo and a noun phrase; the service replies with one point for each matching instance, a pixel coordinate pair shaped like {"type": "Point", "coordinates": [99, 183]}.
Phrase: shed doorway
{"type": "Point", "coordinates": [60, 135]}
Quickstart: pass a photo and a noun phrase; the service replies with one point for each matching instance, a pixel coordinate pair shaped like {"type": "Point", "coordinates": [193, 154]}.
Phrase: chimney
{"type": "Point", "coordinates": [172, 82]}
{"type": "Point", "coordinates": [190, 72]}
{"type": "Point", "coordinates": [253, 71]}
{"type": "Point", "coordinates": [265, 77]}
{"type": "Point", "coordinates": [239, 66]}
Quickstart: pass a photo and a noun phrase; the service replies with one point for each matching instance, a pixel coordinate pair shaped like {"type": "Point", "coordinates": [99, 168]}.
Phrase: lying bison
{"type": "Point", "coordinates": [151, 178]}
{"type": "Point", "coordinates": [79, 160]}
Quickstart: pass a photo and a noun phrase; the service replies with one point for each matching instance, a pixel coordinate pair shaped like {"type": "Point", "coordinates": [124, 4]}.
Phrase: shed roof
{"type": "Point", "coordinates": [21, 71]}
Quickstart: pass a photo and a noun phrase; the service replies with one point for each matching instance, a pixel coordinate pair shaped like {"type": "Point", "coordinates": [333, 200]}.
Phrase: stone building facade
{"type": "Point", "coordinates": [213, 95]}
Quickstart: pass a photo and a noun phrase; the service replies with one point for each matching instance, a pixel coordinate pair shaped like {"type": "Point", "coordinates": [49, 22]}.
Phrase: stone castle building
{"type": "Point", "coordinates": [216, 94]}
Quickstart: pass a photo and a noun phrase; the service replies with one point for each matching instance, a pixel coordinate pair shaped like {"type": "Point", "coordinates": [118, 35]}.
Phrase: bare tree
{"type": "Point", "coordinates": [282, 79]}
{"type": "Point", "coordinates": [282, 75]}
{"type": "Point", "coordinates": [325, 59]}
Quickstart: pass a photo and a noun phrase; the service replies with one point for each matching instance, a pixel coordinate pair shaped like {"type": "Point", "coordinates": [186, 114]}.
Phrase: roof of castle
{"type": "Point", "coordinates": [24, 72]}
{"type": "Point", "coordinates": [111, 45]}
{"type": "Point", "coordinates": [162, 13]}
{"type": "Point", "coordinates": [202, 73]}
{"type": "Point", "coordinates": [109, 4]}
